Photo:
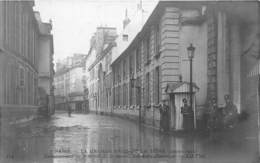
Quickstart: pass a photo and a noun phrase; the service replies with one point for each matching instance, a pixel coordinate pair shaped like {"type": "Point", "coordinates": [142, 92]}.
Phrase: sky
{"type": "Point", "coordinates": [75, 21]}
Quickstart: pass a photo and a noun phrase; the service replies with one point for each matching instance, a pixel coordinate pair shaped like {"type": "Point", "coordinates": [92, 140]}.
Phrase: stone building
{"type": "Point", "coordinates": [233, 52]}
{"type": "Point", "coordinates": [98, 65]}
{"type": "Point", "coordinates": [156, 60]}
{"type": "Point", "coordinates": [46, 65]}
{"type": "Point", "coordinates": [20, 44]}
{"type": "Point", "coordinates": [69, 82]}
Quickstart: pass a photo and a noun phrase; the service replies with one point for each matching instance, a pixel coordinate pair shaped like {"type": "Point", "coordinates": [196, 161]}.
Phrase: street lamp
{"type": "Point", "coordinates": [191, 50]}
{"type": "Point", "coordinates": [85, 97]}
{"type": "Point", "coordinates": [133, 83]}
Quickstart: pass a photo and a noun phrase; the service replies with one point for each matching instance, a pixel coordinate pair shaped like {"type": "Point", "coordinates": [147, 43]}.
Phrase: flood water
{"type": "Point", "coordinates": [103, 139]}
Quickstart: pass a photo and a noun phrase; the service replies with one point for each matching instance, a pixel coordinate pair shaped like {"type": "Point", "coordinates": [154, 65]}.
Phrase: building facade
{"type": "Point", "coordinates": [155, 59]}
{"type": "Point", "coordinates": [46, 65]}
{"type": "Point", "coordinates": [233, 52]}
{"type": "Point", "coordinates": [19, 56]}
{"type": "Point", "coordinates": [100, 74]}
{"type": "Point", "coordinates": [70, 83]}
{"type": "Point", "coordinates": [155, 65]}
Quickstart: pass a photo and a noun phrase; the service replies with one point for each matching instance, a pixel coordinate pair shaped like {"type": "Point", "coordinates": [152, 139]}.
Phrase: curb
{"type": "Point", "coordinates": [136, 121]}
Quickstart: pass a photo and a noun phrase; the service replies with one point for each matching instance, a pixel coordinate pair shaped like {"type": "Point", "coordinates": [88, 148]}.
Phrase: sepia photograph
{"type": "Point", "coordinates": [129, 81]}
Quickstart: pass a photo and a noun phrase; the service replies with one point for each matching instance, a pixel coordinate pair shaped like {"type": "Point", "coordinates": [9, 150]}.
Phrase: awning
{"type": "Point", "coordinates": [181, 87]}
{"type": "Point", "coordinates": [255, 70]}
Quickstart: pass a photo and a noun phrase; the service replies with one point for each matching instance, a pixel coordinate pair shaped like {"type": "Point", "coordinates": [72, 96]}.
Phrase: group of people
{"type": "Point", "coordinates": [165, 116]}
{"type": "Point", "coordinates": [216, 117]}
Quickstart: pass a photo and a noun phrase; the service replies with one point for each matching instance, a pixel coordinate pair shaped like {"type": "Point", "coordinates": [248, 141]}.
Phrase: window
{"type": "Point", "coordinates": [92, 74]}
{"type": "Point", "coordinates": [125, 94]}
{"type": "Point", "coordinates": [147, 48]}
{"type": "Point", "coordinates": [138, 59]}
{"type": "Point", "coordinates": [130, 94]}
{"type": "Point", "coordinates": [138, 92]}
{"type": "Point", "coordinates": [157, 85]}
{"type": "Point", "coordinates": [106, 62]}
{"type": "Point", "coordinates": [125, 37]}
{"type": "Point", "coordinates": [124, 69]}
{"type": "Point", "coordinates": [21, 77]}
{"type": "Point", "coordinates": [157, 41]}
{"type": "Point", "coordinates": [119, 73]}
{"type": "Point", "coordinates": [147, 82]}
{"type": "Point", "coordinates": [130, 65]}
{"type": "Point", "coordinates": [120, 95]}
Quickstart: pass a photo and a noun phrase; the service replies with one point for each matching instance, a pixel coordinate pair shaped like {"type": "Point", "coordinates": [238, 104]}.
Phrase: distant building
{"type": "Point", "coordinates": [98, 65]}
{"type": "Point", "coordinates": [46, 65]}
{"type": "Point", "coordinates": [70, 81]}
{"type": "Point", "coordinates": [22, 49]}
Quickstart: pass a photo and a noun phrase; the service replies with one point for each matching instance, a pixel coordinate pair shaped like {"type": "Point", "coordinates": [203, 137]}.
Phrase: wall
{"type": "Point", "coordinates": [98, 66]}
{"type": "Point", "coordinates": [197, 35]}
{"type": "Point", "coordinates": [20, 49]}
{"type": "Point", "coordinates": [44, 69]}
{"type": "Point", "coordinates": [170, 55]}
{"type": "Point", "coordinates": [76, 76]}
{"type": "Point", "coordinates": [19, 61]}
{"type": "Point", "coordinates": [249, 46]}
{"type": "Point", "coordinates": [168, 39]}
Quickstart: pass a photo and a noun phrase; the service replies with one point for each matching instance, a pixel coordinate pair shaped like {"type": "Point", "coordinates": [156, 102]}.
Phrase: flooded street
{"type": "Point", "coordinates": [103, 139]}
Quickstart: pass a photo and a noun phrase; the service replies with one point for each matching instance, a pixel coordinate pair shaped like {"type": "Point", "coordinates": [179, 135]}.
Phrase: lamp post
{"type": "Point", "coordinates": [191, 50]}
{"type": "Point", "coordinates": [86, 92]}
{"type": "Point", "coordinates": [133, 83]}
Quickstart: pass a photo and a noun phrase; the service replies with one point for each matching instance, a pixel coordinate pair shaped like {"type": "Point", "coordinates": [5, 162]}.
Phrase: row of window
{"type": "Point", "coordinates": [126, 94]}
{"type": "Point", "coordinates": [20, 85]}
{"type": "Point", "coordinates": [132, 63]}
{"type": "Point", "coordinates": [20, 30]}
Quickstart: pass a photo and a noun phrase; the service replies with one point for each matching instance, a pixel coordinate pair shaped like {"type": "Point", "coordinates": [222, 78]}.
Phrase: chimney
{"type": "Point", "coordinates": [126, 21]}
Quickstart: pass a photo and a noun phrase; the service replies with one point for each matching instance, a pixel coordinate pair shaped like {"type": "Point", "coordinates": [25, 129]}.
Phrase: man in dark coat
{"type": "Point", "coordinates": [164, 116]}
{"type": "Point", "coordinates": [230, 112]}
{"type": "Point", "coordinates": [214, 115]}
{"type": "Point", "coordinates": [68, 107]}
{"type": "Point", "coordinates": [187, 113]}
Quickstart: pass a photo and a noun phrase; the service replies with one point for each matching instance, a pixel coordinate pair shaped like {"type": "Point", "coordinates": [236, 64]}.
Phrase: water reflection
{"type": "Point", "coordinates": [101, 139]}
{"type": "Point", "coordinates": [25, 145]}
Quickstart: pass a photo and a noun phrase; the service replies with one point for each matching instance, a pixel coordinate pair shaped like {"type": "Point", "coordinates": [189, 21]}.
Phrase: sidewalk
{"type": "Point", "coordinates": [135, 119]}
{"type": "Point", "coordinates": [237, 132]}
{"type": "Point", "coordinates": [15, 114]}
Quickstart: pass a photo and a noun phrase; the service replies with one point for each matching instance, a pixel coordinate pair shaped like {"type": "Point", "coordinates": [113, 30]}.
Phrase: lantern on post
{"type": "Point", "coordinates": [191, 50]}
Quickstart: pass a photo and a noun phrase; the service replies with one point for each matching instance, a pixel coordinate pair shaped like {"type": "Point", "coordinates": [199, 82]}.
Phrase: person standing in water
{"type": "Point", "coordinates": [67, 104]}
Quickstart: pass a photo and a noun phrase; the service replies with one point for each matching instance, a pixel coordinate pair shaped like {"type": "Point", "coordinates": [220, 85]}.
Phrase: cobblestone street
{"type": "Point", "coordinates": [94, 139]}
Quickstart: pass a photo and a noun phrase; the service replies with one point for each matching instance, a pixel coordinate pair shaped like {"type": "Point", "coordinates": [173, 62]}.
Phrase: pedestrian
{"type": "Point", "coordinates": [230, 112]}
{"type": "Point", "coordinates": [213, 113]}
{"type": "Point", "coordinates": [161, 116]}
{"type": "Point", "coordinates": [187, 113]}
{"type": "Point", "coordinates": [68, 107]}
{"type": "Point", "coordinates": [164, 116]}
